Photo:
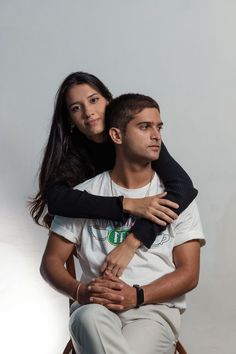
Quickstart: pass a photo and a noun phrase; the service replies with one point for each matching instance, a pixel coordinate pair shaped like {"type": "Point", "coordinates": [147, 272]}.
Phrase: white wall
{"type": "Point", "coordinates": [182, 53]}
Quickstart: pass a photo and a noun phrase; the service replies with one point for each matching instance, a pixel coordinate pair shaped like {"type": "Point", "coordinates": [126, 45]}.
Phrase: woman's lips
{"type": "Point", "coordinates": [91, 122]}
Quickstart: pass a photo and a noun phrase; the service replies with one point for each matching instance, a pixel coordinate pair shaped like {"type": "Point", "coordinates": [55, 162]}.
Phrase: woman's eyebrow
{"type": "Point", "coordinates": [73, 103]}
{"type": "Point", "coordinates": [89, 96]}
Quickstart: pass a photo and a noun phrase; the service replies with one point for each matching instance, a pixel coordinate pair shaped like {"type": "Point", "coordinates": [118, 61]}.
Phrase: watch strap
{"type": "Point", "coordinates": [140, 295]}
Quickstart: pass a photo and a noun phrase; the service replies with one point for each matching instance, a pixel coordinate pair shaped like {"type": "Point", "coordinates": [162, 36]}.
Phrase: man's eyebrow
{"type": "Point", "coordinates": [160, 124]}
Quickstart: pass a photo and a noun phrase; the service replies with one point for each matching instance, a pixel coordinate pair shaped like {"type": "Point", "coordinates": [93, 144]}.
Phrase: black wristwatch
{"type": "Point", "coordinates": [140, 295]}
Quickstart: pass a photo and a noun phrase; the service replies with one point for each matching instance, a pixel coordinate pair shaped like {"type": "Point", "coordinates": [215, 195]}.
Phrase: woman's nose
{"type": "Point", "coordinates": [88, 111]}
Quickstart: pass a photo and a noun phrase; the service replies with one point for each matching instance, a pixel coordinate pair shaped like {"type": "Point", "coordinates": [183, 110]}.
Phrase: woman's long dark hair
{"type": "Point", "coordinates": [65, 154]}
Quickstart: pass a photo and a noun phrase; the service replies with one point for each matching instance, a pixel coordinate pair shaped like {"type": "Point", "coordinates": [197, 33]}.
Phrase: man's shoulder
{"type": "Point", "coordinates": [188, 225]}
{"type": "Point", "coordinates": [190, 212]}
{"type": "Point", "coordinates": [94, 184]}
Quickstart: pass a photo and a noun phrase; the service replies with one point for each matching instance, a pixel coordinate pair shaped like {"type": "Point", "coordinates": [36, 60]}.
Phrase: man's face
{"type": "Point", "coordinates": [142, 139]}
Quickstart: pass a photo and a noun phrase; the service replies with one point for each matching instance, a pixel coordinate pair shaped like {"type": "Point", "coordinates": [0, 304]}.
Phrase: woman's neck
{"type": "Point", "coordinates": [98, 138]}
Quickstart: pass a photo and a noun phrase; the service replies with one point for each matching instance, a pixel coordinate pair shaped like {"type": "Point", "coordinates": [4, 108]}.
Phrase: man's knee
{"type": "Point", "coordinates": [86, 316]}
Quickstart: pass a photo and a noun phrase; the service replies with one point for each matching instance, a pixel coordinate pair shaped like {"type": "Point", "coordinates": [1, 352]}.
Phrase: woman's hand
{"type": "Point", "coordinates": [118, 259]}
{"type": "Point", "coordinates": [155, 208]}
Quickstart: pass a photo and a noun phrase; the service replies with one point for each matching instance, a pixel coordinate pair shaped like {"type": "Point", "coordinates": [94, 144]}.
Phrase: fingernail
{"type": "Point", "coordinates": [89, 287]}
{"type": "Point", "coordinates": [91, 299]}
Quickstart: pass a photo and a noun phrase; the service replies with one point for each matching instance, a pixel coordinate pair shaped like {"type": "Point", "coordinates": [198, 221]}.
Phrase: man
{"type": "Point", "coordinates": [140, 311]}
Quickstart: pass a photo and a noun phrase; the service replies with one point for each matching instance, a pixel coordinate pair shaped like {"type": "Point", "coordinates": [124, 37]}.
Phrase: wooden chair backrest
{"type": "Point", "coordinates": [70, 266]}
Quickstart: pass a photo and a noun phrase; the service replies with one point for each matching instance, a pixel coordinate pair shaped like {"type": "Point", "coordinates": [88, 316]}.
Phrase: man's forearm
{"type": "Point", "coordinates": [53, 271]}
{"type": "Point", "coordinates": [162, 290]}
{"type": "Point", "coordinates": [183, 279]}
{"type": "Point", "coordinates": [169, 287]}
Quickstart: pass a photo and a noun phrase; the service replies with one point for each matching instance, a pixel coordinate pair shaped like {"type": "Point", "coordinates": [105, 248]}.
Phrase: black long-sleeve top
{"type": "Point", "coordinates": [63, 200]}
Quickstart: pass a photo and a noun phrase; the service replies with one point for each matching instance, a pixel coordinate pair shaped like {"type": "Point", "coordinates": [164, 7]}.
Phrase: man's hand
{"type": "Point", "coordinates": [112, 293]}
{"type": "Point", "coordinates": [118, 259]}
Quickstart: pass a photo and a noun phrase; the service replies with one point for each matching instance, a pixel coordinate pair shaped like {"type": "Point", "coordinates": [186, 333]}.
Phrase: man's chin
{"type": "Point", "coordinates": [155, 156]}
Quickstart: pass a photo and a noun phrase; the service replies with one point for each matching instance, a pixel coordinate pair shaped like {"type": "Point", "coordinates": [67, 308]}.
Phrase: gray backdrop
{"type": "Point", "coordinates": [183, 54]}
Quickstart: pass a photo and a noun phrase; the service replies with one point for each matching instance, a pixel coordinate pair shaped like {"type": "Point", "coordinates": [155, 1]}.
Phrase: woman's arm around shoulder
{"type": "Point", "coordinates": [63, 200]}
{"type": "Point", "coordinates": [179, 188]}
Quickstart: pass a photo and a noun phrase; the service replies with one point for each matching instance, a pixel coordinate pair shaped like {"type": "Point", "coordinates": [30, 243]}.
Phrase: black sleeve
{"type": "Point", "coordinates": [65, 201]}
{"type": "Point", "coordinates": [179, 188]}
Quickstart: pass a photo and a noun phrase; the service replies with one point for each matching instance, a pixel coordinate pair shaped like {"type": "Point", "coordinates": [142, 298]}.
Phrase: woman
{"type": "Point", "coordinates": [78, 149]}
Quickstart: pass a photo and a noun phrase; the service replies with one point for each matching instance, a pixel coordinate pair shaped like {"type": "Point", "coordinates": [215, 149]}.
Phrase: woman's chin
{"type": "Point", "coordinates": [97, 137]}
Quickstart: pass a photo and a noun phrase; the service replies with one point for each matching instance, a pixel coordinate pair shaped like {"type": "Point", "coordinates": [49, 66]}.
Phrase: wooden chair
{"type": "Point", "coordinates": [70, 266]}
{"type": "Point", "coordinates": [69, 349]}
{"type": "Point", "coordinates": [179, 349]}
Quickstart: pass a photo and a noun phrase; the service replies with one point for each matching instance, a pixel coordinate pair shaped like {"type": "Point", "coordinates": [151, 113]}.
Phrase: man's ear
{"type": "Point", "coordinates": [115, 135]}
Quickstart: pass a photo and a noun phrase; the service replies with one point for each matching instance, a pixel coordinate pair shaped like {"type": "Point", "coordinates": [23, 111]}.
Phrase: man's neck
{"type": "Point", "coordinates": [131, 175]}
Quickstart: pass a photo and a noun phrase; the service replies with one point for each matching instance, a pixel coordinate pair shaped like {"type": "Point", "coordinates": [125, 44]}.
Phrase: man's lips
{"type": "Point", "coordinates": [154, 147]}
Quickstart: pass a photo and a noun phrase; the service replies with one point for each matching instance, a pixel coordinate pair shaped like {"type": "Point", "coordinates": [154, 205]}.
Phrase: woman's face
{"type": "Point", "coordinates": [87, 108]}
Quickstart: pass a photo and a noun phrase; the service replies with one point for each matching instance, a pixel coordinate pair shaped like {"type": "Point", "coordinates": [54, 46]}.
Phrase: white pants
{"type": "Point", "coordinates": [150, 329]}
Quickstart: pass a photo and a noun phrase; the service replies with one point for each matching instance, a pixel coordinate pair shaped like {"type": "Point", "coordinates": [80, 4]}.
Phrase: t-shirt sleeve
{"type": "Point", "coordinates": [188, 226]}
{"type": "Point", "coordinates": [68, 228]}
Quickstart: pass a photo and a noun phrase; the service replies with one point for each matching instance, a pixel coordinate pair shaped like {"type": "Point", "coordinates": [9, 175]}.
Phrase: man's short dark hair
{"type": "Point", "coordinates": [123, 109]}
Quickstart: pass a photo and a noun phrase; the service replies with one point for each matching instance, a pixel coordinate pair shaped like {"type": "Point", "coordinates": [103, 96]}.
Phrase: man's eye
{"type": "Point", "coordinates": [143, 126]}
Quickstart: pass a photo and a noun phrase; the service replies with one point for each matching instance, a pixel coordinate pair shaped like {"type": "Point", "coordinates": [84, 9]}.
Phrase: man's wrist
{"type": "Point", "coordinates": [139, 295]}
{"type": "Point", "coordinates": [132, 241]}
{"type": "Point", "coordinates": [79, 293]}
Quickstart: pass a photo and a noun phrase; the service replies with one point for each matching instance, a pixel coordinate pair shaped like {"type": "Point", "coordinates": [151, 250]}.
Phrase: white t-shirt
{"type": "Point", "coordinates": [96, 238]}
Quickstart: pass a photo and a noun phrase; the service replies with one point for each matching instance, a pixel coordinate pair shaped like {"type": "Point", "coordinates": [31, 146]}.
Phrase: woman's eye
{"type": "Point", "coordinates": [75, 108]}
{"type": "Point", "coordinates": [94, 99]}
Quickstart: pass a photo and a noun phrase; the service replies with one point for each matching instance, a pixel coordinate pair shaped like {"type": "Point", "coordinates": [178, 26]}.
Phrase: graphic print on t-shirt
{"type": "Point", "coordinates": [164, 237]}
{"type": "Point", "coordinates": [114, 232]}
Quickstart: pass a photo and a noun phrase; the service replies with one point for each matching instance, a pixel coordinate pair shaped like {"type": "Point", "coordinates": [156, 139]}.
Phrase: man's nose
{"type": "Point", "coordinates": [156, 133]}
